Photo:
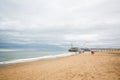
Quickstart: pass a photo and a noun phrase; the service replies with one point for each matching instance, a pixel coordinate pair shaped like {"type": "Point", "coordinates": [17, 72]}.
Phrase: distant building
{"type": "Point", "coordinates": [79, 50]}
{"type": "Point", "coordinates": [74, 49]}
{"type": "Point", "coordinates": [85, 49]}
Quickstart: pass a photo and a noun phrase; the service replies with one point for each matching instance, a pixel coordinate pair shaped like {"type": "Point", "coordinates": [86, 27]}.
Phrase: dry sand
{"type": "Point", "coordinates": [100, 66]}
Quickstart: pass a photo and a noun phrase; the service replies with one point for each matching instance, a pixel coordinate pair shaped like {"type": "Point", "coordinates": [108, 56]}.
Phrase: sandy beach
{"type": "Point", "coordinates": [100, 66]}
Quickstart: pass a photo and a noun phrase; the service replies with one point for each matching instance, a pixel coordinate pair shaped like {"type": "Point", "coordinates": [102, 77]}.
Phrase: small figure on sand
{"type": "Point", "coordinates": [92, 52]}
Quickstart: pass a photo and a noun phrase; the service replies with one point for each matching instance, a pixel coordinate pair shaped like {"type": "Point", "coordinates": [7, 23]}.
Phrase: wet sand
{"type": "Point", "coordinates": [100, 66]}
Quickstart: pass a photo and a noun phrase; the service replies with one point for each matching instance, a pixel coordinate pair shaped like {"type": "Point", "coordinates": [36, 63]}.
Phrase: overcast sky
{"type": "Point", "coordinates": [86, 23]}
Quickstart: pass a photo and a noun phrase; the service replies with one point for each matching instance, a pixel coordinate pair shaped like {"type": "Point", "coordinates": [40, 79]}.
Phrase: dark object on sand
{"type": "Point", "coordinates": [92, 52]}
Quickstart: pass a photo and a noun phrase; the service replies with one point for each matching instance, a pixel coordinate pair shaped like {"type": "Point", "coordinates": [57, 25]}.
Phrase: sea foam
{"type": "Point", "coordinates": [36, 58]}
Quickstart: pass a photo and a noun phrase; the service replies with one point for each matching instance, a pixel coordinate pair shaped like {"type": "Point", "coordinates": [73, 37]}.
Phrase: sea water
{"type": "Point", "coordinates": [8, 57]}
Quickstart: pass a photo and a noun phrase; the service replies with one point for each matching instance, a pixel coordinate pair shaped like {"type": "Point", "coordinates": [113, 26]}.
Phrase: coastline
{"type": "Point", "coordinates": [35, 59]}
{"type": "Point", "coordinates": [101, 66]}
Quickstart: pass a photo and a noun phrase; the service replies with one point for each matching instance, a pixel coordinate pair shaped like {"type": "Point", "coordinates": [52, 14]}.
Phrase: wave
{"type": "Point", "coordinates": [35, 59]}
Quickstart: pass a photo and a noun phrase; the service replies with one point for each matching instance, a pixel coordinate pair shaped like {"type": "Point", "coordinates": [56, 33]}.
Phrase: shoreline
{"type": "Point", "coordinates": [35, 59]}
{"type": "Point", "coordinates": [100, 66]}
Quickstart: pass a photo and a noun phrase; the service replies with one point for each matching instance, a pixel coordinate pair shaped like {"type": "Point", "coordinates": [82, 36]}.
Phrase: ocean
{"type": "Point", "coordinates": [10, 57]}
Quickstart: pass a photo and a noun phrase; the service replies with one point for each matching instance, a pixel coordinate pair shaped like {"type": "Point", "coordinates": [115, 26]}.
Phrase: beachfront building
{"type": "Point", "coordinates": [74, 49]}
{"type": "Point", "coordinates": [79, 50]}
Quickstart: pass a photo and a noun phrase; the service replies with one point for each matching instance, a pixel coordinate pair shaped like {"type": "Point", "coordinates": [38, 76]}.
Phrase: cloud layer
{"type": "Point", "coordinates": [90, 23]}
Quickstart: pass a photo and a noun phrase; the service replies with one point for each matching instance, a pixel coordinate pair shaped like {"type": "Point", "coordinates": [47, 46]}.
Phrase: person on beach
{"type": "Point", "coordinates": [92, 52]}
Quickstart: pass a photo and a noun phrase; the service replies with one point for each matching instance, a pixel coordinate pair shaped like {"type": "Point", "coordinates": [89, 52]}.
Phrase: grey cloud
{"type": "Point", "coordinates": [44, 21]}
